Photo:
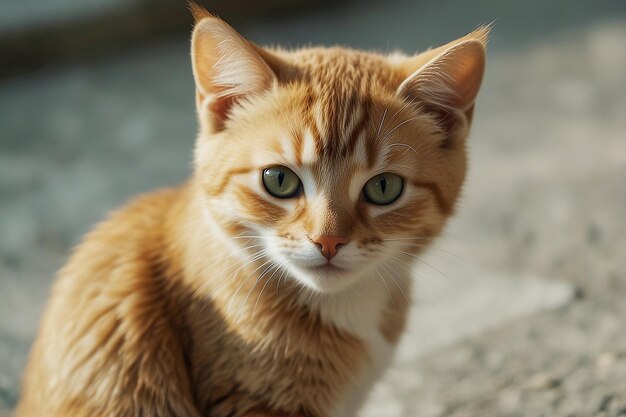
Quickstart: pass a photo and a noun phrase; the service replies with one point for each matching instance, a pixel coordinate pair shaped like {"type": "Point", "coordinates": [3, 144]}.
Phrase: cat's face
{"type": "Point", "coordinates": [330, 164]}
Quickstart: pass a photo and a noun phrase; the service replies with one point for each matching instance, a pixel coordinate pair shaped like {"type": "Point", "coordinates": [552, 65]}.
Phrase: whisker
{"type": "Point", "coordinates": [404, 106]}
{"type": "Point", "coordinates": [396, 282]}
{"type": "Point", "coordinates": [428, 246]}
{"type": "Point", "coordinates": [391, 119]}
{"type": "Point", "coordinates": [256, 257]}
{"type": "Point", "coordinates": [308, 301]}
{"type": "Point", "coordinates": [282, 275]}
{"type": "Point", "coordinates": [388, 290]}
{"type": "Point", "coordinates": [410, 270]}
{"type": "Point", "coordinates": [302, 287]}
{"type": "Point", "coordinates": [434, 268]}
{"type": "Point", "coordinates": [434, 251]}
{"type": "Point", "coordinates": [406, 146]}
{"type": "Point", "coordinates": [381, 124]}
{"type": "Point", "coordinates": [267, 281]}
{"type": "Point", "coordinates": [442, 237]}
{"type": "Point", "coordinates": [207, 268]}
{"type": "Point", "coordinates": [259, 278]}
{"type": "Point", "coordinates": [232, 298]}
{"type": "Point", "coordinates": [410, 119]}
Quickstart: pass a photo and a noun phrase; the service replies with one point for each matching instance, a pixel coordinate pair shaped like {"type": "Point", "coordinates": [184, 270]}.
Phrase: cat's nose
{"type": "Point", "coordinates": [329, 245]}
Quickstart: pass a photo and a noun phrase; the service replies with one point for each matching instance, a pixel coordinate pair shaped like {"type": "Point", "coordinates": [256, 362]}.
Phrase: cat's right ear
{"type": "Point", "coordinates": [446, 80]}
{"type": "Point", "coordinates": [226, 68]}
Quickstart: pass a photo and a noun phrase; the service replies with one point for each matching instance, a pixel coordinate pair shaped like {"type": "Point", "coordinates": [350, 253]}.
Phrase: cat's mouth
{"type": "Point", "coordinates": [327, 268]}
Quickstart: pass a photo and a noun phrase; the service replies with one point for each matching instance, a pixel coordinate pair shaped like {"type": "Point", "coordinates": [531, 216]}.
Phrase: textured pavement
{"type": "Point", "coordinates": [521, 306]}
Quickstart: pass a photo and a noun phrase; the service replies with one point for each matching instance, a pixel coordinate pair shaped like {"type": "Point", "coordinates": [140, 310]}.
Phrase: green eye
{"type": "Point", "coordinates": [383, 189]}
{"type": "Point", "coordinates": [281, 182]}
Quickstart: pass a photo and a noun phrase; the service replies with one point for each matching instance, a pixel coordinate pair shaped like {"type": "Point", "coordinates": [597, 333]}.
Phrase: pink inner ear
{"type": "Point", "coordinates": [446, 87]}
{"type": "Point", "coordinates": [226, 67]}
{"type": "Point", "coordinates": [468, 70]}
{"type": "Point", "coordinates": [450, 80]}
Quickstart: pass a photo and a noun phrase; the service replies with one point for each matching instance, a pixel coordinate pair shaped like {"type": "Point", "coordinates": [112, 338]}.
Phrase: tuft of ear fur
{"type": "Point", "coordinates": [198, 12]}
{"type": "Point", "coordinates": [445, 81]}
{"type": "Point", "coordinates": [226, 68]}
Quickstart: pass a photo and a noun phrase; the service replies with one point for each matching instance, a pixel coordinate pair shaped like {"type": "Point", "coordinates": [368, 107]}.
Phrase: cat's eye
{"type": "Point", "coordinates": [383, 188]}
{"type": "Point", "coordinates": [281, 182]}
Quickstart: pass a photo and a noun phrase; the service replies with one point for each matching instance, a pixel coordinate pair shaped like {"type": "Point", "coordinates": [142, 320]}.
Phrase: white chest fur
{"type": "Point", "coordinates": [359, 311]}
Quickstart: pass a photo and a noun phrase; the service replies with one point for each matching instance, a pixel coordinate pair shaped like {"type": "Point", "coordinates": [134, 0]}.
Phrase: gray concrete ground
{"type": "Point", "coordinates": [528, 315]}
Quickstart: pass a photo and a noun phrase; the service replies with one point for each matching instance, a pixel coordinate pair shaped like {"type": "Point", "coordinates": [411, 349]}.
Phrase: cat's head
{"type": "Point", "coordinates": [331, 163]}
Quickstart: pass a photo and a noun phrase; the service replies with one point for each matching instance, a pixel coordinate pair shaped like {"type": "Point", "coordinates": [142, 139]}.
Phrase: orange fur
{"type": "Point", "coordinates": [196, 301]}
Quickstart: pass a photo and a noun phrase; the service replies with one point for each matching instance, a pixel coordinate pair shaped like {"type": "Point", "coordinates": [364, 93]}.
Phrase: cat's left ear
{"type": "Point", "coordinates": [445, 81]}
{"type": "Point", "coordinates": [226, 68]}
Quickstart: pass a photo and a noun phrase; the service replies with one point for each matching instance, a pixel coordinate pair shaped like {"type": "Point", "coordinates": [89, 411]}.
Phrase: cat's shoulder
{"type": "Point", "coordinates": [128, 244]}
{"type": "Point", "coordinates": [113, 306]}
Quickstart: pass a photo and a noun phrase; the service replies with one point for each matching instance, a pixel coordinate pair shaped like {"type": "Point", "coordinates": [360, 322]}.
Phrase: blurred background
{"type": "Point", "coordinates": [522, 304]}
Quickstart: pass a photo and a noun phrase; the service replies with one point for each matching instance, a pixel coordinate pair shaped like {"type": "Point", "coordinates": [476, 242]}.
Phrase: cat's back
{"type": "Point", "coordinates": [108, 305]}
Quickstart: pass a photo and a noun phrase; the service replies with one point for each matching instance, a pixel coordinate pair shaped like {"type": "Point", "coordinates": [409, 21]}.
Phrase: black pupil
{"type": "Point", "coordinates": [281, 178]}
{"type": "Point", "coordinates": [383, 184]}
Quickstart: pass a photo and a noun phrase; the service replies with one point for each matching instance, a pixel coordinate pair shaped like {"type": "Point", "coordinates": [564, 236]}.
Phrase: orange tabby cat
{"type": "Point", "coordinates": [273, 282]}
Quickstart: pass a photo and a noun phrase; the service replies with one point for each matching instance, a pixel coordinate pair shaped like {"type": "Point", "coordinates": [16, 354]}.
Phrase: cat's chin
{"type": "Point", "coordinates": [327, 278]}
{"type": "Point", "coordinates": [327, 269]}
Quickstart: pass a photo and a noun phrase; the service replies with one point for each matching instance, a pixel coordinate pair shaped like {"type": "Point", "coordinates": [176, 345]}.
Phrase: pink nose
{"type": "Point", "coordinates": [329, 245]}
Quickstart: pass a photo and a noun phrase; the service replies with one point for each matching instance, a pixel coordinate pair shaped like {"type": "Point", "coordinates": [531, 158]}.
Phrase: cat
{"type": "Point", "coordinates": [276, 280]}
